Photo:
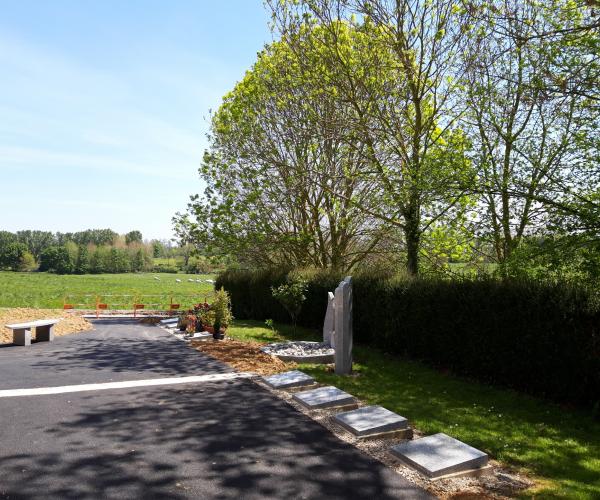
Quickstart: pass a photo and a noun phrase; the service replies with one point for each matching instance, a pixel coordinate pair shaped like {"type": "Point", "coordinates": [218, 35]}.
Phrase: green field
{"type": "Point", "coordinates": [119, 291]}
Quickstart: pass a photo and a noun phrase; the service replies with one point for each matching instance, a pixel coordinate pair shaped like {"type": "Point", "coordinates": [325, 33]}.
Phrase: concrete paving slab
{"type": "Point", "coordinates": [169, 321]}
{"type": "Point", "coordinates": [201, 336]}
{"type": "Point", "coordinates": [288, 380]}
{"type": "Point", "coordinates": [371, 420]}
{"type": "Point", "coordinates": [324, 397]}
{"type": "Point", "coordinates": [440, 455]}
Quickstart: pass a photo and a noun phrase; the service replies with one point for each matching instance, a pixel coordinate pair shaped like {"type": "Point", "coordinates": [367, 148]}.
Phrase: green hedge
{"type": "Point", "coordinates": [536, 337]}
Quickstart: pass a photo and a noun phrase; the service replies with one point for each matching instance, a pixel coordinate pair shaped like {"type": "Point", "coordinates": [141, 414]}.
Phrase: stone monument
{"type": "Point", "coordinates": [329, 323]}
{"type": "Point", "coordinates": [343, 327]}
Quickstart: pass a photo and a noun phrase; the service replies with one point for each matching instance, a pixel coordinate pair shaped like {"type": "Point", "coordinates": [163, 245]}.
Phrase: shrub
{"type": "Point", "coordinates": [291, 295]}
{"type": "Point", "coordinates": [163, 268]}
{"type": "Point", "coordinates": [221, 306]}
{"type": "Point", "coordinates": [252, 297]}
{"type": "Point", "coordinates": [541, 338]}
{"type": "Point", "coordinates": [28, 262]}
{"type": "Point", "coordinates": [11, 255]}
{"type": "Point", "coordinates": [57, 259]}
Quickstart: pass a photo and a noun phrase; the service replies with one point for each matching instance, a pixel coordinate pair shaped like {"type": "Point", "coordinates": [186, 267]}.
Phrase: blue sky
{"type": "Point", "coordinates": [104, 106]}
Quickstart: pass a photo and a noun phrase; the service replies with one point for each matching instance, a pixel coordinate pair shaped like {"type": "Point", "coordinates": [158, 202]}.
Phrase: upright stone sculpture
{"type": "Point", "coordinates": [329, 323]}
{"type": "Point", "coordinates": [343, 327]}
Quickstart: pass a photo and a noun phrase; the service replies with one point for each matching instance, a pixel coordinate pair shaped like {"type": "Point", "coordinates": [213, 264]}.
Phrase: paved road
{"type": "Point", "coordinates": [221, 440]}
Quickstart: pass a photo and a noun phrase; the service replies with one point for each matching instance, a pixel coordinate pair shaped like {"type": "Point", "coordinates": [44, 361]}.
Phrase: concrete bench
{"type": "Point", "coordinates": [44, 330]}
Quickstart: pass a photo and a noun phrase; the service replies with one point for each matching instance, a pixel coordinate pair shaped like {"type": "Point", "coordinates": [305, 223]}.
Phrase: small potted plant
{"type": "Point", "coordinates": [182, 321]}
{"type": "Point", "coordinates": [222, 311]}
{"type": "Point", "coordinates": [206, 317]}
{"type": "Point", "coordinates": [191, 323]}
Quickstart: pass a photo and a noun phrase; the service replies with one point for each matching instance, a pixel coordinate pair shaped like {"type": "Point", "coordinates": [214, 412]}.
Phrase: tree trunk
{"type": "Point", "coordinates": [413, 243]}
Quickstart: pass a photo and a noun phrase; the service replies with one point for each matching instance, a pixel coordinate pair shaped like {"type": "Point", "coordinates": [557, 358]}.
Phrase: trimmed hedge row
{"type": "Point", "coordinates": [539, 338]}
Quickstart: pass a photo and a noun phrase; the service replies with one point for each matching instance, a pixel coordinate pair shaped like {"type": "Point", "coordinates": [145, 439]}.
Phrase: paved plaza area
{"type": "Point", "coordinates": [216, 435]}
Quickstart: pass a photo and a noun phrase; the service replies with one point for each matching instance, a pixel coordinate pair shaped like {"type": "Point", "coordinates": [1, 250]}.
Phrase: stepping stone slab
{"type": "Point", "coordinates": [440, 455]}
{"type": "Point", "coordinates": [324, 397]}
{"type": "Point", "coordinates": [371, 420]}
{"type": "Point", "coordinates": [202, 336]}
{"type": "Point", "coordinates": [169, 321]}
{"type": "Point", "coordinates": [288, 380]}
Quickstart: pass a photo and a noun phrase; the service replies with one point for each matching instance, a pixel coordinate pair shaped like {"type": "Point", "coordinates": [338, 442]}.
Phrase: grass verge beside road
{"type": "Point", "coordinates": [560, 446]}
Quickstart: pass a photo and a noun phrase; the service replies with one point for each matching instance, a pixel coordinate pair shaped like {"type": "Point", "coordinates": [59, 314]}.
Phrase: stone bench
{"type": "Point", "coordinates": [44, 331]}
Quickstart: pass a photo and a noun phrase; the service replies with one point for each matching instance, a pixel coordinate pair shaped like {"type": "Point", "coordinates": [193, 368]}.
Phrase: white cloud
{"type": "Point", "coordinates": [31, 158]}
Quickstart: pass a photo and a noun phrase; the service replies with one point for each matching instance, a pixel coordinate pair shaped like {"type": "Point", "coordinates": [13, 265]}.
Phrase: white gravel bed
{"type": "Point", "coordinates": [299, 348]}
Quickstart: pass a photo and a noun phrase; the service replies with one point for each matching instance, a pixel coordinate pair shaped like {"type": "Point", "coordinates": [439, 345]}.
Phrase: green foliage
{"type": "Point", "coordinates": [157, 249]}
{"type": "Point", "coordinates": [165, 268]}
{"type": "Point", "coordinates": [270, 324]}
{"type": "Point", "coordinates": [221, 307]}
{"type": "Point", "coordinates": [7, 237]}
{"type": "Point", "coordinates": [133, 237]}
{"type": "Point", "coordinates": [12, 254]}
{"type": "Point", "coordinates": [291, 295]}
{"type": "Point", "coordinates": [206, 316]}
{"type": "Point", "coordinates": [68, 259]}
{"type": "Point", "coordinates": [117, 261]}
{"type": "Point", "coordinates": [98, 260]}
{"type": "Point", "coordinates": [138, 262]}
{"type": "Point", "coordinates": [28, 262]}
{"type": "Point", "coordinates": [573, 258]}
{"type": "Point", "coordinates": [201, 264]}
{"type": "Point", "coordinates": [88, 237]}
{"type": "Point", "coordinates": [280, 151]}
{"type": "Point", "coordinates": [533, 336]}
{"type": "Point", "coordinates": [57, 259]}
{"type": "Point", "coordinates": [82, 266]}
{"type": "Point", "coordinates": [11, 251]}
{"type": "Point", "coordinates": [98, 251]}
{"type": "Point", "coordinates": [36, 241]}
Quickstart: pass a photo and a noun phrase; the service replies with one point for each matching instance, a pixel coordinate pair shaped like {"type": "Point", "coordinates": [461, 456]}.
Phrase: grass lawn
{"type": "Point", "coordinates": [559, 446]}
{"type": "Point", "coordinates": [45, 290]}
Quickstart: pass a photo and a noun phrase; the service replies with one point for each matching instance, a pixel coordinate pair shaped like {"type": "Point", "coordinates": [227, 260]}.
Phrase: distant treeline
{"type": "Point", "coordinates": [93, 251]}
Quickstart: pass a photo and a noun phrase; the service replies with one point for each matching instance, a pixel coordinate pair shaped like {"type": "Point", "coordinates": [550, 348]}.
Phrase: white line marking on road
{"type": "Point", "coordinates": [42, 391]}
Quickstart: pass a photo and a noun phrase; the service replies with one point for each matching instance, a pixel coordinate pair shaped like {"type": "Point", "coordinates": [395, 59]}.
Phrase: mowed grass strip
{"type": "Point", "coordinates": [45, 290]}
{"type": "Point", "coordinates": [559, 446]}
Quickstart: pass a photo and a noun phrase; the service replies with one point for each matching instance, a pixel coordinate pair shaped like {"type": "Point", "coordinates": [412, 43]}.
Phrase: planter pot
{"type": "Point", "coordinates": [220, 335]}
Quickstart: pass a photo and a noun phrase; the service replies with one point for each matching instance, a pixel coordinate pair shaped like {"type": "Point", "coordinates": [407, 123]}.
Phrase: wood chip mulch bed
{"type": "Point", "coordinates": [243, 356]}
{"type": "Point", "coordinates": [70, 322]}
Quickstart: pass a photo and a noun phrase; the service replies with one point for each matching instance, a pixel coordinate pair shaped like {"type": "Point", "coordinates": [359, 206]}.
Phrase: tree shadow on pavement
{"type": "Point", "coordinates": [216, 440]}
{"type": "Point", "coordinates": [132, 349]}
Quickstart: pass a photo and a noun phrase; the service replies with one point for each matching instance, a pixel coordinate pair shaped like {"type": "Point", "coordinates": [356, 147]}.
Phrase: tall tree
{"type": "Point", "coordinates": [279, 154]}
{"type": "Point", "coordinates": [36, 241]}
{"type": "Point", "coordinates": [532, 135]}
{"type": "Point", "coordinates": [400, 85]}
{"type": "Point", "coordinates": [133, 237]}
{"type": "Point", "coordinates": [82, 264]}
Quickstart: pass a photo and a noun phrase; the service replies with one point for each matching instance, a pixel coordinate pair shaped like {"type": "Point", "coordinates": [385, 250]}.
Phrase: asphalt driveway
{"type": "Point", "coordinates": [224, 439]}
